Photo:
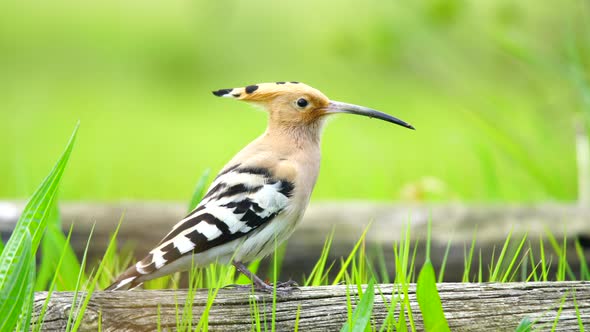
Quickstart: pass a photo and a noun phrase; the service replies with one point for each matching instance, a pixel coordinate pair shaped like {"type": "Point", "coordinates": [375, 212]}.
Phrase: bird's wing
{"type": "Point", "coordinates": [240, 200]}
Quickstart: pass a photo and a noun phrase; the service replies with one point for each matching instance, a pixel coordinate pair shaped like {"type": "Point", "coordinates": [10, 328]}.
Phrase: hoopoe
{"type": "Point", "coordinates": [260, 195]}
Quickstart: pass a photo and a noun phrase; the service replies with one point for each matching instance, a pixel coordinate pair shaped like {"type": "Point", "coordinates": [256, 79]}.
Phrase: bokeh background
{"type": "Point", "coordinates": [494, 88]}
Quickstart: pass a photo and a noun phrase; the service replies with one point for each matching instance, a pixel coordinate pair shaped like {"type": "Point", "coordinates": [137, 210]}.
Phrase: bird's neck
{"type": "Point", "coordinates": [299, 135]}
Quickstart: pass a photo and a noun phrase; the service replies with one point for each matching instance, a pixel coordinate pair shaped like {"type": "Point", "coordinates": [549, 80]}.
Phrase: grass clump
{"type": "Point", "coordinates": [17, 261]}
{"type": "Point", "coordinates": [19, 277]}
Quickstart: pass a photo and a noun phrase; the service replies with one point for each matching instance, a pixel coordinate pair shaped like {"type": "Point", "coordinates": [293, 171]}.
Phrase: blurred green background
{"type": "Point", "coordinates": [493, 88]}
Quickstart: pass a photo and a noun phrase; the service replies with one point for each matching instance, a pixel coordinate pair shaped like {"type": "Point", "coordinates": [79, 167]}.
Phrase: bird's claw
{"type": "Point", "coordinates": [288, 284]}
{"type": "Point", "coordinates": [283, 288]}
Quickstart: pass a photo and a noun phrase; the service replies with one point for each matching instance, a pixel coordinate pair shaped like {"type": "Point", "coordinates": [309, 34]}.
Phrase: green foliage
{"type": "Point", "coordinates": [443, 265]}
{"type": "Point", "coordinates": [559, 310]}
{"type": "Point", "coordinates": [497, 272]}
{"type": "Point", "coordinates": [25, 315]}
{"type": "Point", "coordinates": [344, 266]}
{"type": "Point", "coordinates": [525, 325]}
{"type": "Point", "coordinates": [319, 273]}
{"type": "Point", "coordinates": [578, 315]}
{"type": "Point", "coordinates": [75, 310]}
{"type": "Point", "coordinates": [427, 294]}
{"type": "Point", "coordinates": [563, 267]}
{"type": "Point", "coordinates": [296, 328]}
{"type": "Point", "coordinates": [55, 248]}
{"type": "Point", "coordinates": [403, 276]}
{"type": "Point", "coordinates": [17, 261]}
{"type": "Point", "coordinates": [39, 322]}
{"type": "Point", "coordinates": [360, 319]}
{"type": "Point", "coordinates": [468, 259]}
{"type": "Point", "coordinates": [429, 300]}
{"type": "Point", "coordinates": [17, 290]}
{"type": "Point", "coordinates": [17, 273]}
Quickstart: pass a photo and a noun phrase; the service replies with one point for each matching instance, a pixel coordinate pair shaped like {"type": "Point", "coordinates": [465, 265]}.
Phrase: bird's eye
{"type": "Point", "coordinates": [302, 102]}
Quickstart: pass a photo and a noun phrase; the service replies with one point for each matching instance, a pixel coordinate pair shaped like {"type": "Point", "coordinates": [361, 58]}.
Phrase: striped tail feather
{"type": "Point", "coordinates": [127, 280]}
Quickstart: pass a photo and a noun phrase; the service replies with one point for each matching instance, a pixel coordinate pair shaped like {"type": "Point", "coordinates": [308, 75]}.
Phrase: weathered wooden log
{"type": "Point", "coordinates": [144, 223]}
{"type": "Point", "coordinates": [467, 307]}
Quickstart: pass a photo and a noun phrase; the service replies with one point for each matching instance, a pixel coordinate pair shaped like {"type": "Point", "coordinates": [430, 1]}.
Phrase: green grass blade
{"type": "Point", "coordinates": [199, 190]}
{"type": "Point", "coordinates": [498, 264]}
{"type": "Point", "coordinates": [468, 259]}
{"type": "Point", "coordinates": [559, 310]}
{"type": "Point", "coordinates": [563, 266]}
{"type": "Point", "coordinates": [443, 265]}
{"type": "Point", "coordinates": [79, 282]}
{"type": "Point", "coordinates": [17, 262]}
{"type": "Point", "coordinates": [344, 266]}
{"type": "Point", "coordinates": [13, 294]}
{"type": "Point", "coordinates": [515, 255]}
{"type": "Point", "coordinates": [361, 315]}
{"type": "Point", "coordinates": [55, 247]}
{"type": "Point", "coordinates": [317, 273]}
{"type": "Point", "coordinates": [24, 321]}
{"type": "Point", "coordinates": [584, 271]}
{"type": "Point", "coordinates": [50, 289]}
{"type": "Point", "coordinates": [531, 260]}
{"type": "Point", "coordinates": [34, 217]}
{"type": "Point", "coordinates": [279, 252]}
{"type": "Point", "coordinates": [202, 325]}
{"type": "Point", "coordinates": [68, 270]}
{"type": "Point", "coordinates": [99, 271]}
{"type": "Point", "coordinates": [402, 276]}
{"type": "Point", "coordinates": [480, 268]}
{"type": "Point", "coordinates": [255, 314]}
{"type": "Point", "coordinates": [427, 295]}
{"type": "Point", "coordinates": [578, 315]}
{"type": "Point", "coordinates": [429, 300]}
{"type": "Point", "coordinates": [544, 267]}
{"type": "Point", "coordinates": [297, 314]}
{"type": "Point", "coordinates": [381, 264]}
{"type": "Point", "coordinates": [110, 258]}
{"type": "Point", "coordinates": [348, 303]}
{"type": "Point", "coordinates": [525, 325]}
{"type": "Point", "coordinates": [48, 252]}
{"type": "Point", "coordinates": [275, 274]}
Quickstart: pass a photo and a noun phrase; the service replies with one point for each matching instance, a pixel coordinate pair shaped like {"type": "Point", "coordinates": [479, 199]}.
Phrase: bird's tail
{"type": "Point", "coordinates": [127, 280]}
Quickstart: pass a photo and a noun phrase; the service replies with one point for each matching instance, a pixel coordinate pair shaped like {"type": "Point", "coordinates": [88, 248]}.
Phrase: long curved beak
{"type": "Point", "coordinates": [340, 107]}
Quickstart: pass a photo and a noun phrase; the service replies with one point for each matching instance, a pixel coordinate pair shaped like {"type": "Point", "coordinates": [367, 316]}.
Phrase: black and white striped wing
{"type": "Point", "coordinates": [239, 201]}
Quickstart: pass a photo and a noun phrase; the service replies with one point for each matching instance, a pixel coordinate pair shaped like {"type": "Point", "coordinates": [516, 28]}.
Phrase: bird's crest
{"type": "Point", "coordinates": [266, 91]}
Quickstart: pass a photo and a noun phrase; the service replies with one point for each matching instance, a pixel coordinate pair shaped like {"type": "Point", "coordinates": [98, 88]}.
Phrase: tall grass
{"type": "Point", "coordinates": [19, 276]}
{"type": "Point", "coordinates": [17, 261]}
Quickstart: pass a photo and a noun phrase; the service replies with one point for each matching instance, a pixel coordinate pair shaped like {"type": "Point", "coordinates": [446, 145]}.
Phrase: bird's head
{"type": "Point", "coordinates": [294, 103]}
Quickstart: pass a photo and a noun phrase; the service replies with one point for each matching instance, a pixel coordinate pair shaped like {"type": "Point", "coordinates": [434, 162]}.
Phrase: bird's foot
{"type": "Point", "coordinates": [288, 284]}
{"type": "Point", "coordinates": [282, 288]}
{"type": "Point", "coordinates": [260, 285]}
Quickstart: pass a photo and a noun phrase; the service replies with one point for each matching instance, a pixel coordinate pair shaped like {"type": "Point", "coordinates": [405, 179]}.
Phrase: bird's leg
{"type": "Point", "coordinates": [259, 284]}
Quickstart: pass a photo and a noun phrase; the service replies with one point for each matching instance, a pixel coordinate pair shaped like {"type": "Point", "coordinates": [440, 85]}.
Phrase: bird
{"type": "Point", "coordinates": [260, 195]}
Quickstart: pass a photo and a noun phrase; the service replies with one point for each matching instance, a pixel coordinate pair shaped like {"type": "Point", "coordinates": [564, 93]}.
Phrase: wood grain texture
{"type": "Point", "coordinates": [467, 307]}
